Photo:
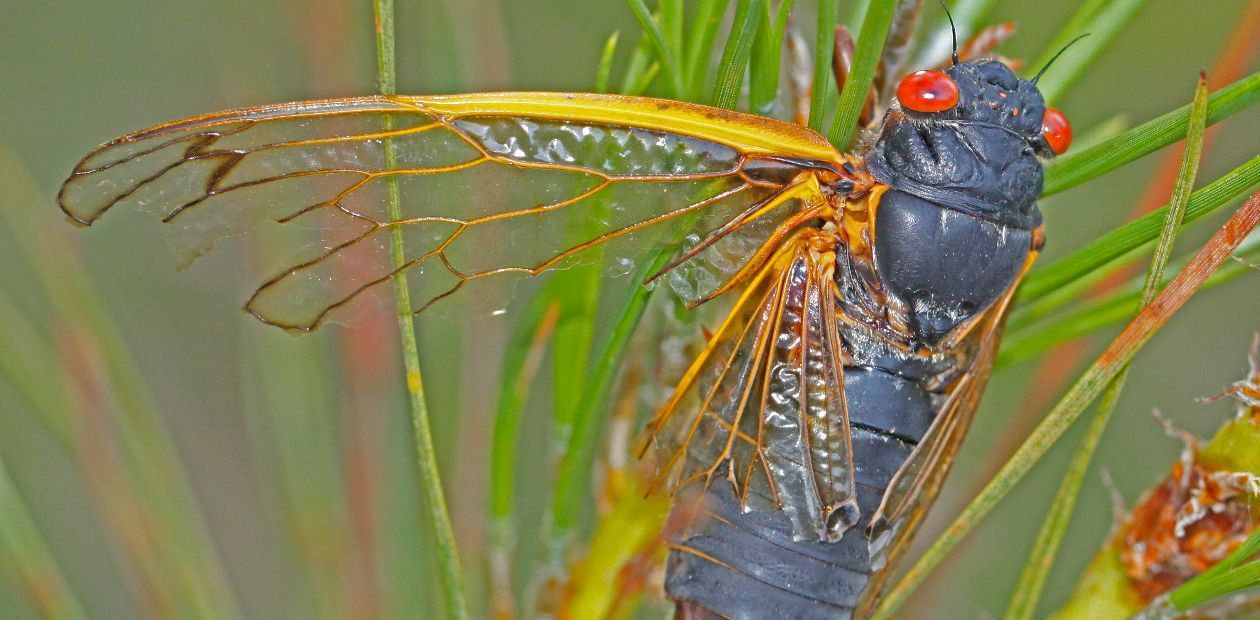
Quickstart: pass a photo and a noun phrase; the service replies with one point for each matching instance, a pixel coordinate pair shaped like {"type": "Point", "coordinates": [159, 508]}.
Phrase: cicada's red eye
{"type": "Point", "coordinates": [1056, 130]}
{"type": "Point", "coordinates": [927, 91]}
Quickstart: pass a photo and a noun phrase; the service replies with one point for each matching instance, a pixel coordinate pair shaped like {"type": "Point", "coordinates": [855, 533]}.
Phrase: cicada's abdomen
{"type": "Point", "coordinates": [726, 562]}
{"type": "Point", "coordinates": [749, 525]}
{"type": "Point", "coordinates": [742, 560]}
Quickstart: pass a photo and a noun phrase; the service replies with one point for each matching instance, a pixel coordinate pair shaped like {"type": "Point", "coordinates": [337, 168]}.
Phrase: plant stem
{"type": "Point", "coordinates": [430, 479]}
{"type": "Point", "coordinates": [1032, 581]}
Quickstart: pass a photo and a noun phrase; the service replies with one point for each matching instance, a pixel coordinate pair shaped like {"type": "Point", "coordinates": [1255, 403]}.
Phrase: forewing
{"type": "Point", "coordinates": [703, 423]}
{"type": "Point", "coordinates": [764, 403]}
{"type": "Point", "coordinates": [489, 185]}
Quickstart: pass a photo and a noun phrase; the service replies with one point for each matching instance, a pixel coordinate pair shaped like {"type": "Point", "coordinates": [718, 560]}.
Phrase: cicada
{"type": "Point", "coordinates": [840, 387]}
{"type": "Point", "coordinates": [869, 287]}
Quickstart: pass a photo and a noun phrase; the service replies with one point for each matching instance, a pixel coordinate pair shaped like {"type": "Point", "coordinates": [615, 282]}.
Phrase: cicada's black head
{"type": "Point", "coordinates": [989, 92]}
{"type": "Point", "coordinates": [970, 138]}
{"type": "Point", "coordinates": [961, 153]}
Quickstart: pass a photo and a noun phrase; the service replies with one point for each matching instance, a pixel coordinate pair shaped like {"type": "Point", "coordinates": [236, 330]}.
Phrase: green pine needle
{"type": "Point", "coordinates": [735, 55]}
{"type": "Point", "coordinates": [1227, 577]}
{"type": "Point", "coordinates": [1032, 580]}
{"type": "Point", "coordinates": [666, 55]}
{"type": "Point", "coordinates": [1076, 168]}
{"type": "Point", "coordinates": [706, 17]}
{"type": "Point", "coordinates": [866, 55]}
{"type": "Point", "coordinates": [824, 46]}
{"type": "Point", "coordinates": [447, 560]}
{"type": "Point", "coordinates": [605, 63]}
{"type": "Point", "coordinates": [1136, 234]}
{"type": "Point", "coordinates": [763, 71]}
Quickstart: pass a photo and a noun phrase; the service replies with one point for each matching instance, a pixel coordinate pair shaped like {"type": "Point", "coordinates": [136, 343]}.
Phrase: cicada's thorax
{"type": "Point", "coordinates": [954, 218]}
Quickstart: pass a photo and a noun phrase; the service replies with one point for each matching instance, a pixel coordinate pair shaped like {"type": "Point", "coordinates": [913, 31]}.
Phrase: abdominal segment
{"type": "Point", "coordinates": [779, 527]}
{"type": "Point", "coordinates": [747, 564]}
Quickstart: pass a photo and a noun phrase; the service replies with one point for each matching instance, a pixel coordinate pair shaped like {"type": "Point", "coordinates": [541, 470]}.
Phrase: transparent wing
{"type": "Point", "coordinates": [763, 405]}
{"type": "Point", "coordinates": [497, 184]}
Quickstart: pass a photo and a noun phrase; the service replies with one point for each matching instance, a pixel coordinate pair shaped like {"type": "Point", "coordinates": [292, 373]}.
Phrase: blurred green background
{"type": "Point", "coordinates": [297, 448]}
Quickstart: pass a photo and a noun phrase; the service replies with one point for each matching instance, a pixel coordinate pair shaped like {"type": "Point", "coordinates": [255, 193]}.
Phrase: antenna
{"type": "Point", "coordinates": [953, 32]}
{"type": "Point", "coordinates": [1056, 56]}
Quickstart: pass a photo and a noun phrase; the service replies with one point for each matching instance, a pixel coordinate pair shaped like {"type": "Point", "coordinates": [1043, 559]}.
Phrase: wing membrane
{"type": "Point", "coordinates": [764, 404]}
{"type": "Point", "coordinates": [491, 185]}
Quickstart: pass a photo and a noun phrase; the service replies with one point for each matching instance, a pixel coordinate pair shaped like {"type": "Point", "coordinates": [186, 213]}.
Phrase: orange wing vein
{"type": "Point", "coordinates": [764, 403]}
{"type": "Point", "coordinates": [494, 184]}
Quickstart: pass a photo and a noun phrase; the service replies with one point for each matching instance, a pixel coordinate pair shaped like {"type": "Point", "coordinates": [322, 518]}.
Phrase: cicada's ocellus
{"type": "Point", "coordinates": [822, 416]}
